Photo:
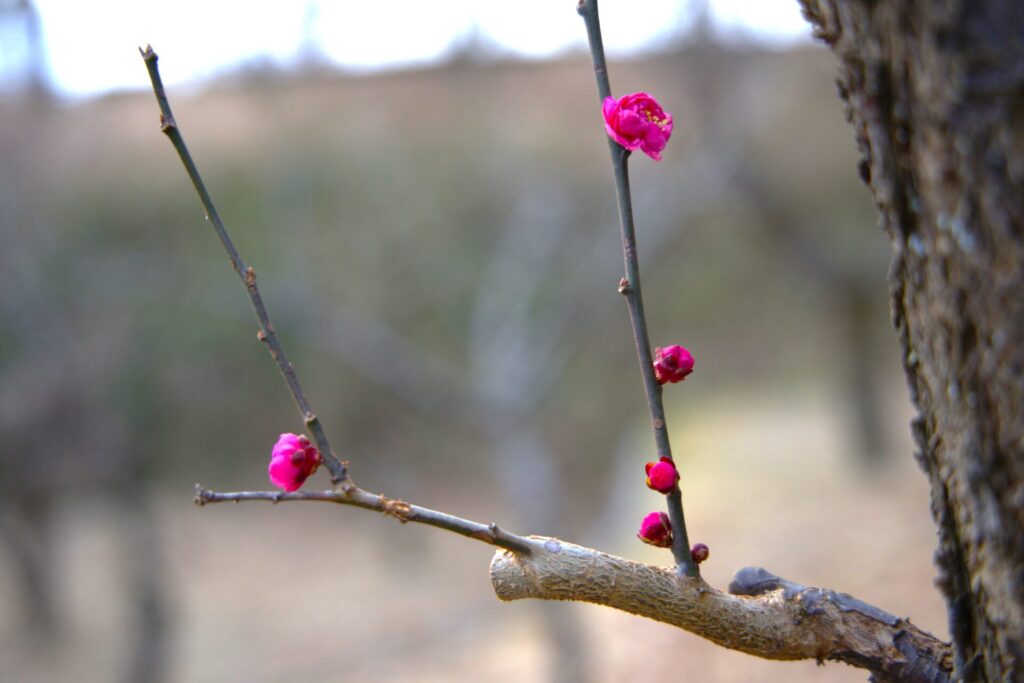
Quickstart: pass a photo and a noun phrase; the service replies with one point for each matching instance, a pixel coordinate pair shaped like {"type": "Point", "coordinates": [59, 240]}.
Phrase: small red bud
{"type": "Point", "coordinates": [700, 552]}
{"type": "Point", "coordinates": [656, 530]}
{"type": "Point", "coordinates": [292, 461]}
{"type": "Point", "coordinates": [662, 476]}
{"type": "Point", "coordinates": [672, 364]}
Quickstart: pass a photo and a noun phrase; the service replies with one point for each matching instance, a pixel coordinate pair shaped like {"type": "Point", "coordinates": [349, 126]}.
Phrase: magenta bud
{"type": "Point", "coordinates": [656, 530]}
{"type": "Point", "coordinates": [662, 476]}
{"type": "Point", "coordinates": [292, 460]}
{"type": "Point", "coordinates": [672, 364]}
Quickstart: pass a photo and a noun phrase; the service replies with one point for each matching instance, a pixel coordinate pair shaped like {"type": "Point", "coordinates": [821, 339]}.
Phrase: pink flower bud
{"type": "Point", "coordinates": [662, 475]}
{"type": "Point", "coordinates": [672, 364]}
{"type": "Point", "coordinates": [637, 121]}
{"type": "Point", "coordinates": [699, 553]}
{"type": "Point", "coordinates": [292, 461]}
{"type": "Point", "coordinates": [656, 530]}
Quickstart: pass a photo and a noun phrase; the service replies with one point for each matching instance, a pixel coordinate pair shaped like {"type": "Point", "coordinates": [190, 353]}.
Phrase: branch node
{"type": "Point", "coordinates": [624, 287]}
{"type": "Point", "coordinates": [398, 509]}
{"type": "Point", "coordinates": [342, 482]}
{"type": "Point", "coordinates": [167, 123]}
{"type": "Point", "coordinates": [250, 277]}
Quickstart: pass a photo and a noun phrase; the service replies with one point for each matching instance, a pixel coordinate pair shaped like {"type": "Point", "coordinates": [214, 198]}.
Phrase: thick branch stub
{"type": "Point", "coordinates": [781, 620]}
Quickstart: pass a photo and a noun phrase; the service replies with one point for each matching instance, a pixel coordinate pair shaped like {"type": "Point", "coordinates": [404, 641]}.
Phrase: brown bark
{"type": "Point", "coordinates": [935, 92]}
{"type": "Point", "coordinates": [761, 615]}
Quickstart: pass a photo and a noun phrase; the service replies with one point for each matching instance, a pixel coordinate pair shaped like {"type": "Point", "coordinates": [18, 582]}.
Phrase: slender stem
{"type": "Point", "coordinates": [351, 494]}
{"type": "Point", "coordinates": [629, 287]}
{"type": "Point", "coordinates": [337, 468]}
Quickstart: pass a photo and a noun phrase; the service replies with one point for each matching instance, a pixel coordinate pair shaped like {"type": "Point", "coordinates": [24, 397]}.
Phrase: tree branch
{"type": "Point", "coordinates": [338, 470]}
{"type": "Point", "coordinates": [762, 615]}
{"type": "Point", "coordinates": [629, 287]}
{"type": "Point", "coordinates": [350, 494]}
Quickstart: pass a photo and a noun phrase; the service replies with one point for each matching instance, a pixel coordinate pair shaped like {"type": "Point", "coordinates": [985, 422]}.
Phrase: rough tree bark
{"type": "Point", "coordinates": [935, 92]}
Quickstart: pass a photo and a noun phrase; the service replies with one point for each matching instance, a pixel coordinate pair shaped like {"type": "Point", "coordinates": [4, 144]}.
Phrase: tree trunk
{"type": "Point", "coordinates": [935, 92]}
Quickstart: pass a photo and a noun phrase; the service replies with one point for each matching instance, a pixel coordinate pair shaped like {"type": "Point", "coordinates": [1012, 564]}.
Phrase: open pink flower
{"type": "Point", "coordinates": [656, 530]}
{"type": "Point", "coordinates": [637, 121]}
{"type": "Point", "coordinates": [672, 364]}
{"type": "Point", "coordinates": [662, 475]}
{"type": "Point", "coordinates": [292, 461]}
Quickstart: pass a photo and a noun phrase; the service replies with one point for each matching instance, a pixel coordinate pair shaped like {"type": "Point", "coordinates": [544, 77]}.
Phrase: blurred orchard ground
{"type": "Point", "coordinates": [439, 251]}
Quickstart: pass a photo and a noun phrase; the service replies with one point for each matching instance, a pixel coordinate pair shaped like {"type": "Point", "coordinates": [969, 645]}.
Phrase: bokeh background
{"type": "Point", "coordinates": [434, 229]}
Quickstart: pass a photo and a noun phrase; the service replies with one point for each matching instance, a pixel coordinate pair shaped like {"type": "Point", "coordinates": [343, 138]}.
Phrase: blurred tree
{"type": "Point", "coordinates": [21, 16]}
{"type": "Point", "coordinates": [58, 381]}
{"type": "Point", "coordinates": [935, 92]}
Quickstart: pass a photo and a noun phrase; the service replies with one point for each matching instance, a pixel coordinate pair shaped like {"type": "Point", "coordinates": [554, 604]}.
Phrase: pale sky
{"type": "Point", "coordinates": [92, 44]}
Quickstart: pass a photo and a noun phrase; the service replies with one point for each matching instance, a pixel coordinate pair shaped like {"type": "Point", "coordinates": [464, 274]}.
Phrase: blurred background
{"type": "Point", "coordinates": [425, 191]}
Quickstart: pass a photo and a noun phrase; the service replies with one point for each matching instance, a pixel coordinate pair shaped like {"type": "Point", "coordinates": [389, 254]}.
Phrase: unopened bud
{"type": "Point", "coordinates": [662, 476]}
{"type": "Point", "coordinates": [656, 530]}
{"type": "Point", "coordinates": [700, 552]}
{"type": "Point", "coordinates": [672, 364]}
{"type": "Point", "coordinates": [292, 461]}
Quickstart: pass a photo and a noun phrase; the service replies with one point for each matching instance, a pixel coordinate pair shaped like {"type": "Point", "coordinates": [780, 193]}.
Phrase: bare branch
{"type": "Point", "coordinates": [350, 494]}
{"type": "Point", "coordinates": [762, 615]}
{"type": "Point", "coordinates": [629, 287]}
{"type": "Point", "coordinates": [266, 334]}
{"type": "Point", "coordinates": [770, 618]}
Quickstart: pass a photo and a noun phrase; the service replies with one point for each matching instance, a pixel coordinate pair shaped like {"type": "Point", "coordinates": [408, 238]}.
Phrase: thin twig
{"type": "Point", "coordinates": [399, 509]}
{"type": "Point", "coordinates": [629, 287]}
{"type": "Point", "coordinates": [337, 468]}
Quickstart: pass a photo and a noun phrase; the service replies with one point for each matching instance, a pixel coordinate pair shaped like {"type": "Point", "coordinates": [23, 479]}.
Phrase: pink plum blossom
{"type": "Point", "coordinates": [656, 530]}
{"type": "Point", "coordinates": [672, 364]}
{"type": "Point", "coordinates": [292, 461]}
{"type": "Point", "coordinates": [637, 121]}
{"type": "Point", "coordinates": [662, 475]}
